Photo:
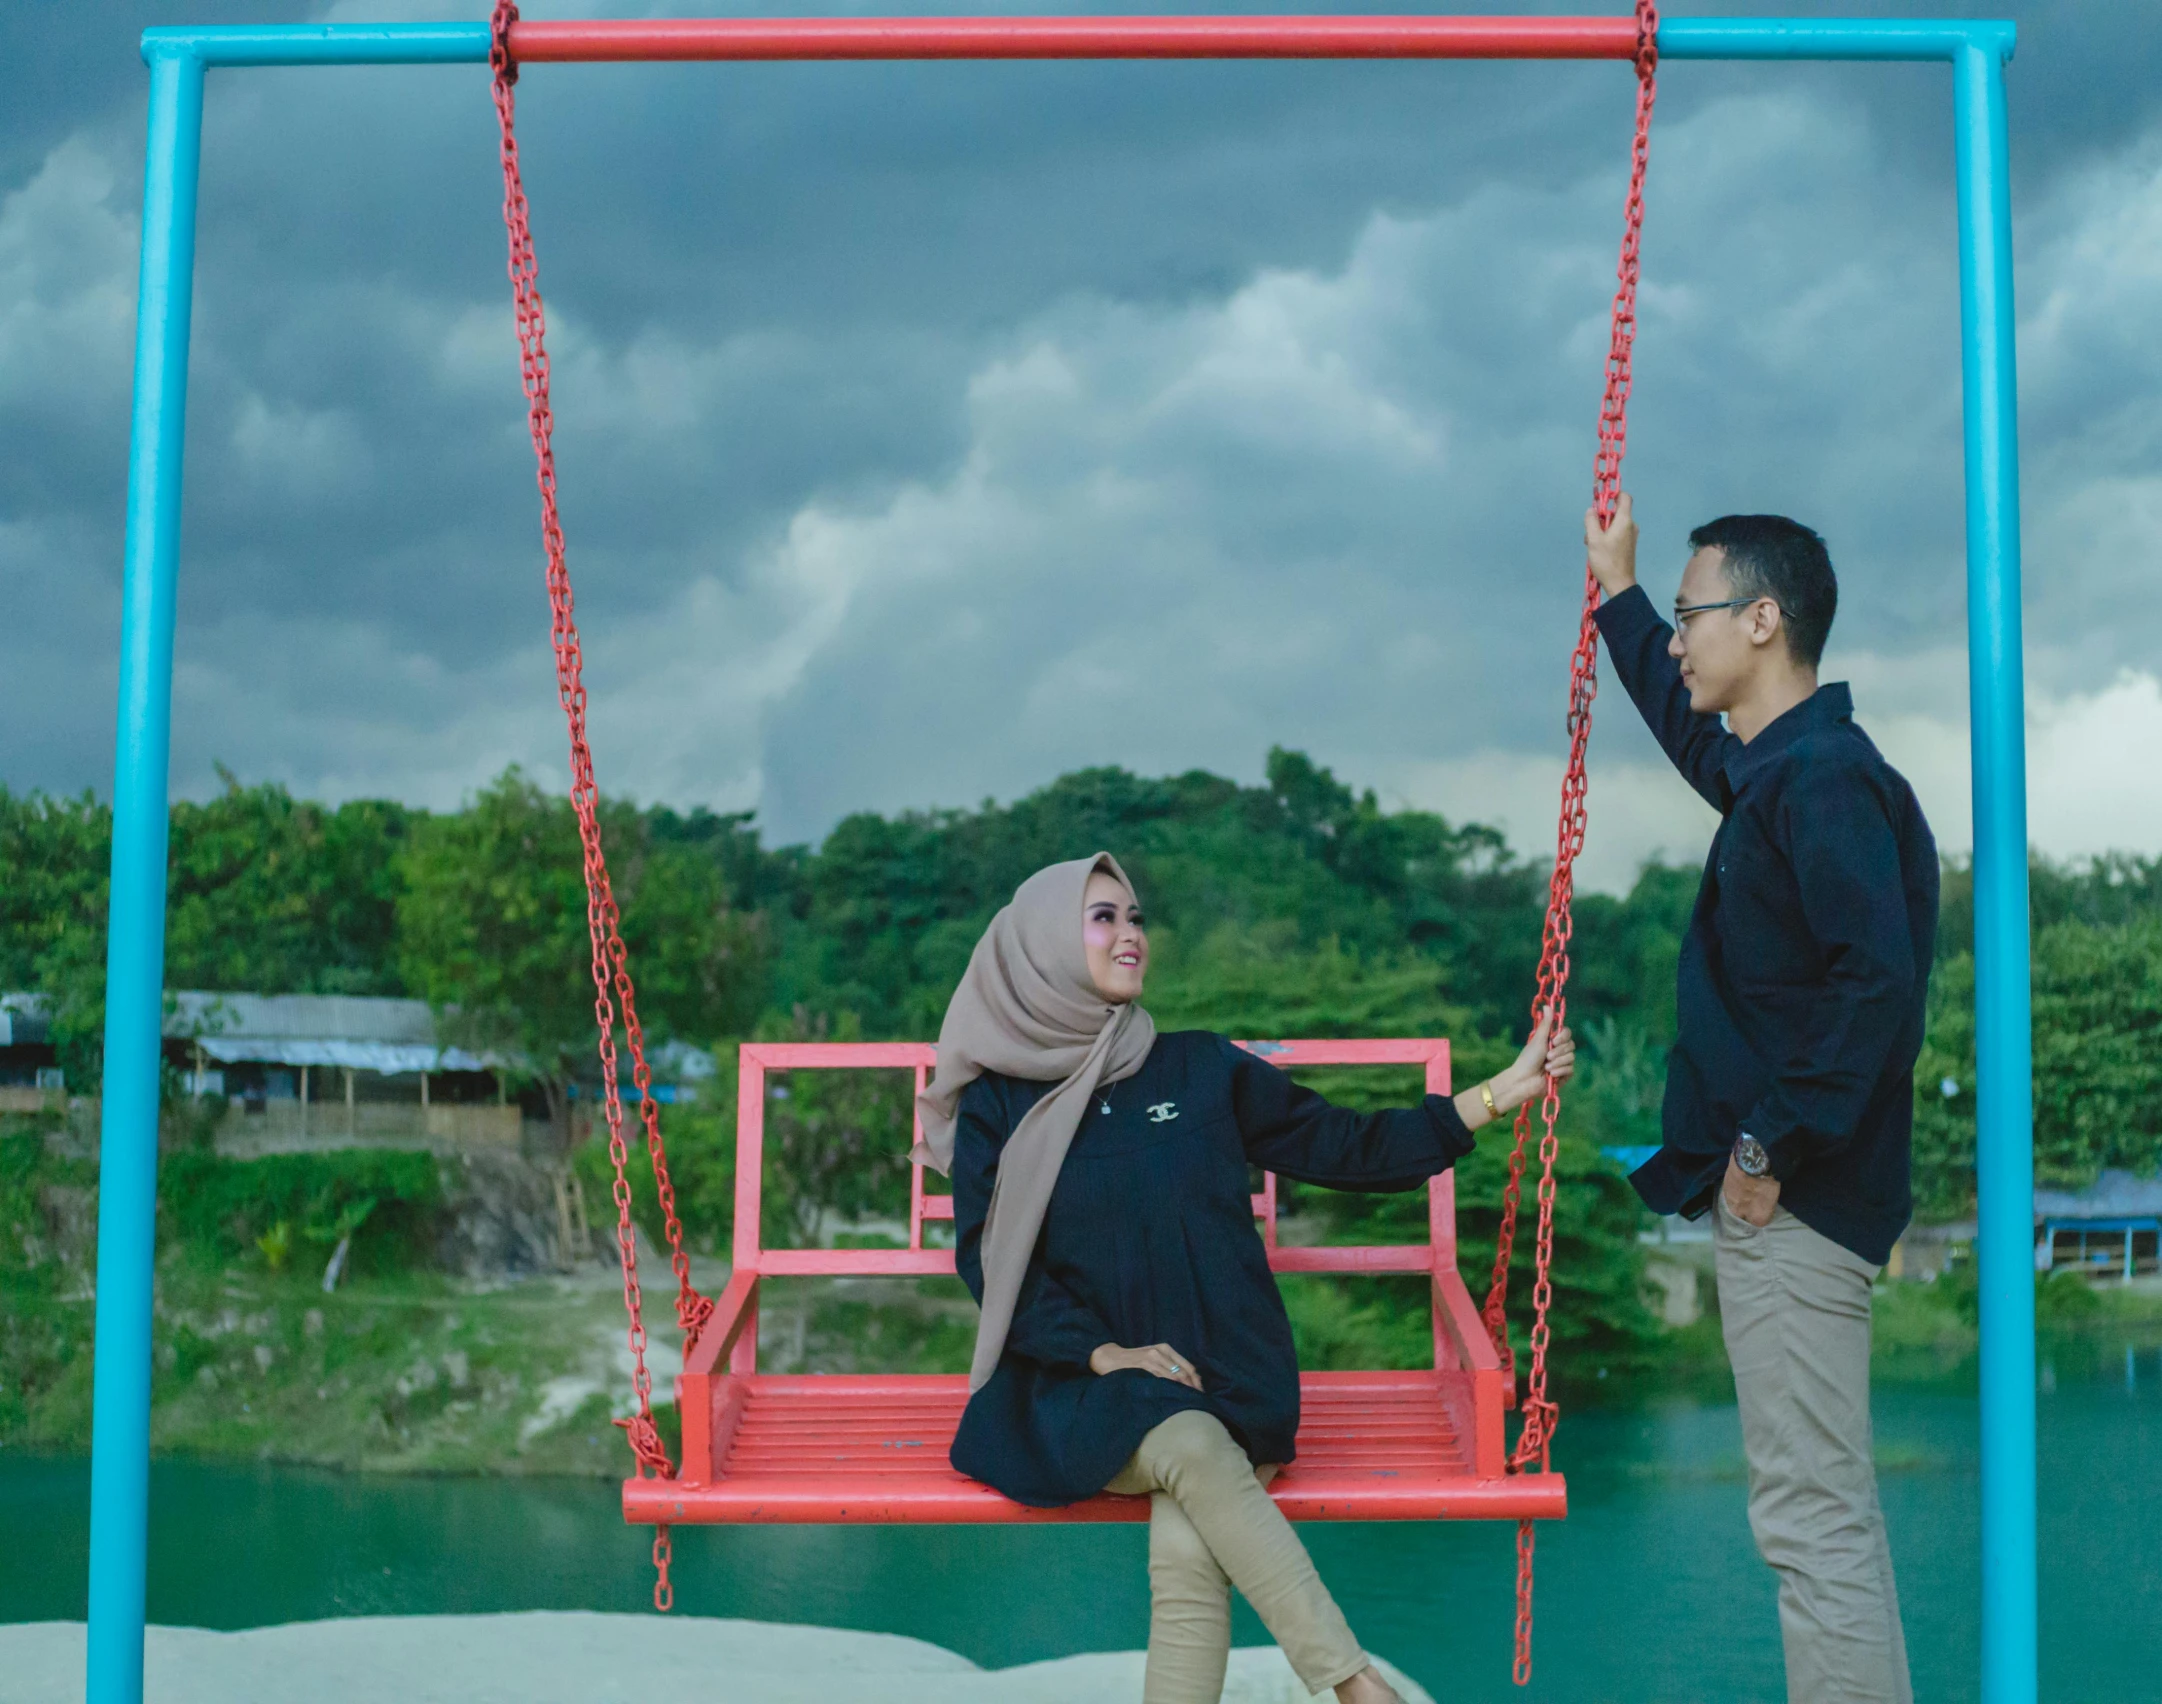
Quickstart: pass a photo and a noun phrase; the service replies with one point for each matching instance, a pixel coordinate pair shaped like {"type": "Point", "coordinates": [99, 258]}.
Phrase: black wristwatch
{"type": "Point", "coordinates": [1750, 1157]}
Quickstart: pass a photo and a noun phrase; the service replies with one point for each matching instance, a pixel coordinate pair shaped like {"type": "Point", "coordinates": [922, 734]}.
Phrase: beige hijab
{"type": "Point", "coordinates": [1027, 1008]}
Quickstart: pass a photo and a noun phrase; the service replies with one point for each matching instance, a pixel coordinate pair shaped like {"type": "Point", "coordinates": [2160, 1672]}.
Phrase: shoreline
{"type": "Point", "coordinates": [426, 1375]}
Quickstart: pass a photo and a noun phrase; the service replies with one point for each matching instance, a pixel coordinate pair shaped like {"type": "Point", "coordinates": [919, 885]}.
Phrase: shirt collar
{"type": "Point", "coordinates": [1821, 709]}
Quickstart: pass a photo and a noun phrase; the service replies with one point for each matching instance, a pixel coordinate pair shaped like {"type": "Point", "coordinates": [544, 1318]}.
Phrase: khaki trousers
{"type": "Point", "coordinates": [1795, 1310]}
{"type": "Point", "coordinates": [1212, 1526]}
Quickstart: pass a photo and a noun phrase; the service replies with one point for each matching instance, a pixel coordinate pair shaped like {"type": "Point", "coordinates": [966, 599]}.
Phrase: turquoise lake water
{"type": "Point", "coordinates": [1649, 1591]}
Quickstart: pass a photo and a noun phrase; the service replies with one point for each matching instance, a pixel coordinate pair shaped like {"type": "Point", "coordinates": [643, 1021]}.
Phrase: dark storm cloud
{"type": "Point", "coordinates": [901, 406]}
{"type": "Point", "coordinates": [1347, 498]}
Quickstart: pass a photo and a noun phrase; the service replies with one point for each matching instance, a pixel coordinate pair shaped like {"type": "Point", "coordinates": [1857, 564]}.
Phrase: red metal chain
{"type": "Point", "coordinates": [611, 974]}
{"type": "Point", "coordinates": [1541, 1415]}
{"type": "Point", "coordinates": [612, 987]}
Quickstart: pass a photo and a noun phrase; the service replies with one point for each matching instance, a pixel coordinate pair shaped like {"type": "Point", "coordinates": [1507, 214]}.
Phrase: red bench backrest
{"type": "Point", "coordinates": [1438, 1252]}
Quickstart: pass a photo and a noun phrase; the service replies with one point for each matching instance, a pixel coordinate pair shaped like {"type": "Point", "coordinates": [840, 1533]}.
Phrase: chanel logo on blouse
{"type": "Point", "coordinates": [1163, 1112]}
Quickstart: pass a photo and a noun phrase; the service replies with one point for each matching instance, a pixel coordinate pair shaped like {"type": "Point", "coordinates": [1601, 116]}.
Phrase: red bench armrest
{"type": "Point", "coordinates": [736, 1307]}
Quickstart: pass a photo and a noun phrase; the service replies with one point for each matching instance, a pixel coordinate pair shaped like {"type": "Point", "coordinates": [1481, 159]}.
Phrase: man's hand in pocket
{"type": "Point", "coordinates": [1752, 1199]}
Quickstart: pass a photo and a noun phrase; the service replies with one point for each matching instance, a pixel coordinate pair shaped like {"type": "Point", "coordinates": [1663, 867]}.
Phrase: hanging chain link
{"type": "Point", "coordinates": [613, 992]}
{"type": "Point", "coordinates": [664, 1552]}
{"type": "Point", "coordinates": [1541, 1414]}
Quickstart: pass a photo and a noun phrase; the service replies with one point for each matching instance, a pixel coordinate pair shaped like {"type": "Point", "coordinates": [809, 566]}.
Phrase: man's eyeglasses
{"type": "Point", "coordinates": [1682, 612]}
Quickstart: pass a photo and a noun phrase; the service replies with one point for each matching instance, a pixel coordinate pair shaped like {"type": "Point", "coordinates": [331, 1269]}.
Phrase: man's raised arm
{"type": "Point", "coordinates": [1638, 642]}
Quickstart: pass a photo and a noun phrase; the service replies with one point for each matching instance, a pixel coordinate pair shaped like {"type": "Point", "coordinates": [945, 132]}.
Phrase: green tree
{"type": "Point", "coordinates": [491, 930]}
{"type": "Point", "coordinates": [2109, 891]}
{"type": "Point", "coordinates": [1261, 982]}
{"type": "Point", "coordinates": [54, 858]}
{"type": "Point", "coordinates": [1621, 1083]}
{"type": "Point", "coordinates": [265, 893]}
{"type": "Point", "coordinates": [2097, 1063]}
{"type": "Point", "coordinates": [880, 920]}
{"type": "Point", "coordinates": [276, 895]}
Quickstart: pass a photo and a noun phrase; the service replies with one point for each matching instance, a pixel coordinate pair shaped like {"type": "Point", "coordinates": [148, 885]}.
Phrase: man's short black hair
{"type": "Point", "coordinates": [1769, 556]}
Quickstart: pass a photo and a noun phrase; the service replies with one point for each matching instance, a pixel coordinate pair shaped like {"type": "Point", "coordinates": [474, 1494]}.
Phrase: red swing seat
{"type": "Point", "coordinates": [1425, 1444]}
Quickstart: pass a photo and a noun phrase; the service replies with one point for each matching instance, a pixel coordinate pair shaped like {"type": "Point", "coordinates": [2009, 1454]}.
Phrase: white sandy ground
{"type": "Point", "coordinates": [575, 1658]}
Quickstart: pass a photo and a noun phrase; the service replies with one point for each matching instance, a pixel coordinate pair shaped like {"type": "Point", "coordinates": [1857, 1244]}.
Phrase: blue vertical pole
{"type": "Point", "coordinates": [135, 943]}
{"type": "Point", "coordinates": [2004, 1045]}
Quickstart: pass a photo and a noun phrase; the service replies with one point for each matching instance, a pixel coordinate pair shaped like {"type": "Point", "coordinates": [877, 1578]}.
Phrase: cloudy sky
{"type": "Point", "coordinates": [928, 430]}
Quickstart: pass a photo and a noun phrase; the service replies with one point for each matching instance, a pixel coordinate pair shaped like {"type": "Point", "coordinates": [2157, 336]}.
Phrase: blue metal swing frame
{"type": "Point", "coordinates": [1977, 52]}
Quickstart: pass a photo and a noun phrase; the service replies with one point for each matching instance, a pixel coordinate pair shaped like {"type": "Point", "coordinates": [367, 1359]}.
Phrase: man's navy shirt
{"type": "Point", "coordinates": [1806, 966]}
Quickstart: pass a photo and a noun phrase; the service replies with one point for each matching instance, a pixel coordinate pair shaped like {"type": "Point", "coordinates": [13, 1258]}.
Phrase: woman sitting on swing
{"type": "Point", "coordinates": [1132, 1337]}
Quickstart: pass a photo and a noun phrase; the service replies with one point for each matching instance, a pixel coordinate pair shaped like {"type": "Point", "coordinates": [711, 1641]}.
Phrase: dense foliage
{"type": "Point", "coordinates": [1294, 906]}
{"type": "Point", "coordinates": [481, 909]}
{"type": "Point", "coordinates": [296, 1208]}
{"type": "Point", "coordinates": [1297, 906]}
{"type": "Point", "coordinates": [881, 920]}
{"type": "Point", "coordinates": [490, 928]}
{"type": "Point", "coordinates": [267, 893]}
{"type": "Point", "coordinates": [2097, 1062]}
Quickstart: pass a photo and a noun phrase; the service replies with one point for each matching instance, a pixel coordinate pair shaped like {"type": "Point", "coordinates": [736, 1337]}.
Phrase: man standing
{"type": "Point", "coordinates": [1790, 1090]}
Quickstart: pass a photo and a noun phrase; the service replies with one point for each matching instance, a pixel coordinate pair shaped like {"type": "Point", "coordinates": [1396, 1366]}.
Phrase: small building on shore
{"type": "Point", "coordinates": [279, 1073]}
{"type": "Point", "coordinates": [2111, 1228]}
{"type": "Point", "coordinates": [321, 1070]}
{"type": "Point", "coordinates": [30, 1074]}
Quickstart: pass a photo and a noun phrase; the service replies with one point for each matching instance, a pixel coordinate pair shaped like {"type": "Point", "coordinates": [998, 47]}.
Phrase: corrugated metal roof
{"type": "Point", "coordinates": [360, 1032]}
{"type": "Point", "coordinates": [2113, 1195]}
{"type": "Point", "coordinates": [265, 1017]}
{"type": "Point", "coordinates": [382, 1056]}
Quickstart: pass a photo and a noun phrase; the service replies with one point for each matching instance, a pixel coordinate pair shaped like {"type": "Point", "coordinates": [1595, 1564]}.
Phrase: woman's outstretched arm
{"type": "Point", "coordinates": [1290, 1129]}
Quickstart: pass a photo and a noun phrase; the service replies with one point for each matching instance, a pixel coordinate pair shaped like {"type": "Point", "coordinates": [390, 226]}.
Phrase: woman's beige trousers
{"type": "Point", "coordinates": [1212, 1527]}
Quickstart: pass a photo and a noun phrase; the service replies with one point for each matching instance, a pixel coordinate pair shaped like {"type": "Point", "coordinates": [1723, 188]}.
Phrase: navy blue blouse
{"type": "Point", "coordinates": [1150, 1238]}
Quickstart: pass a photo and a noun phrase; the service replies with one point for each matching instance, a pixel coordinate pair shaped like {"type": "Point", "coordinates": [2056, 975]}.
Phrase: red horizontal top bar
{"type": "Point", "coordinates": [1076, 38]}
{"type": "Point", "coordinates": [839, 1055]}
